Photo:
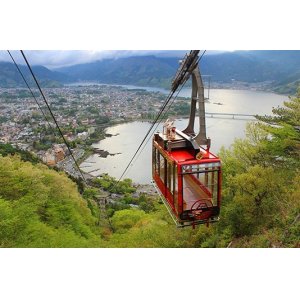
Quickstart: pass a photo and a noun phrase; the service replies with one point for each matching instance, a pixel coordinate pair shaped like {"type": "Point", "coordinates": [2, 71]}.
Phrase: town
{"type": "Point", "coordinates": [82, 112]}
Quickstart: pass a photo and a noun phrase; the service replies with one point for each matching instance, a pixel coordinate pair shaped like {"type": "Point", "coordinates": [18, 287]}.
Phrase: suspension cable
{"type": "Point", "coordinates": [157, 118]}
{"type": "Point", "coordinates": [45, 100]}
{"type": "Point", "coordinates": [52, 129]}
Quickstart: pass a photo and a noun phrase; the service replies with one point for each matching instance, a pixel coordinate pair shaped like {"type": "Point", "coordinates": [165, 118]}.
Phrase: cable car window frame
{"type": "Point", "coordinates": [204, 164]}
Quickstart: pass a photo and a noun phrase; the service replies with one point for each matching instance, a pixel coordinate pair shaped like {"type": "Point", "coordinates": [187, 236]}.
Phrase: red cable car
{"type": "Point", "coordinates": [188, 175]}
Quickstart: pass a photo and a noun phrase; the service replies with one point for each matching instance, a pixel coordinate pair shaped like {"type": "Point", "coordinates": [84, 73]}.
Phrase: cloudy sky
{"type": "Point", "coordinates": [53, 59]}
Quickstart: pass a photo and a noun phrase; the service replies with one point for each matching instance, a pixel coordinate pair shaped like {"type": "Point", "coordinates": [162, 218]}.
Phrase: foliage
{"type": "Point", "coordinates": [261, 182]}
{"type": "Point", "coordinates": [143, 202]}
{"type": "Point", "coordinates": [42, 208]}
{"type": "Point", "coordinates": [256, 196]}
{"type": "Point", "coordinates": [110, 184]}
{"type": "Point", "coordinates": [3, 119]}
{"type": "Point", "coordinates": [102, 120]}
{"type": "Point", "coordinates": [134, 228]}
{"type": "Point", "coordinates": [284, 128]}
{"type": "Point", "coordinates": [126, 219]}
{"type": "Point", "coordinates": [7, 149]}
{"type": "Point", "coordinates": [95, 136]}
{"type": "Point", "coordinates": [182, 109]}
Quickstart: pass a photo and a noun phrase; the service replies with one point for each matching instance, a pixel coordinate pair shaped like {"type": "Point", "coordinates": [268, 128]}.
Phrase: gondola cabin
{"type": "Point", "coordinates": [188, 179]}
{"type": "Point", "coordinates": [187, 175]}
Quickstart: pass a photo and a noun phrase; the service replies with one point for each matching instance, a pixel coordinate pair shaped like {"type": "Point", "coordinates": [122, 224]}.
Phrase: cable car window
{"type": "Point", "coordinates": [175, 189]}
{"type": "Point", "coordinates": [158, 156]}
{"type": "Point", "coordinates": [171, 177]}
{"type": "Point", "coordinates": [154, 165]}
{"type": "Point", "coordinates": [162, 168]}
{"type": "Point", "coordinates": [200, 182]}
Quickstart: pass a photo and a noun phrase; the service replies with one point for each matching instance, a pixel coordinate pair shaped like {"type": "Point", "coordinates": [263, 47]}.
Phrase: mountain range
{"type": "Point", "coordinates": [10, 77]}
{"type": "Point", "coordinates": [279, 67]}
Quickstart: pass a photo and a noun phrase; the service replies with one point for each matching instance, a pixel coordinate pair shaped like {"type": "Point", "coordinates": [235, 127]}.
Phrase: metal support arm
{"type": "Point", "coordinates": [197, 95]}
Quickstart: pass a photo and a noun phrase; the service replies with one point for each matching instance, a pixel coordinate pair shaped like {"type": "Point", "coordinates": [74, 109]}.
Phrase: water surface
{"type": "Point", "coordinates": [127, 137]}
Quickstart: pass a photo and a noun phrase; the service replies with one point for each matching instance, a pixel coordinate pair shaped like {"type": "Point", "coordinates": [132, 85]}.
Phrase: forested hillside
{"type": "Point", "coordinates": [40, 207]}
{"type": "Point", "coordinates": [137, 70]}
{"type": "Point", "coordinates": [10, 77]}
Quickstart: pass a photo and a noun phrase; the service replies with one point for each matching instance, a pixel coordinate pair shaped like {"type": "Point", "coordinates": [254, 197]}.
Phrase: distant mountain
{"type": "Point", "coordinates": [137, 70]}
{"type": "Point", "coordinates": [288, 85]}
{"type": "Point", "coordinates": [279, 68]}
{"type": "Point", "coordinates": [246, 66]}
{"type": "Point", "coordinates": [10, 77]}
{"type": "Point", "coordinates": [252, 66]}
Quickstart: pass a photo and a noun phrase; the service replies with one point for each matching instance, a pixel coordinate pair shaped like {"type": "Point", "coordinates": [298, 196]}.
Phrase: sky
{"type": "Point", "coordinates": [60, 58]}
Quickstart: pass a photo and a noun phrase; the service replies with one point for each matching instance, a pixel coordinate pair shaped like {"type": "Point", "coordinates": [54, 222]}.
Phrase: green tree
{"type": "Point", "coordinates": [109, 183]}
{"type": "Point", "coordinates": [42, 208]}
{"type": "Point", "coordinates": [284, 128]}
{"type": "Point", "coordinates": [256, 201]}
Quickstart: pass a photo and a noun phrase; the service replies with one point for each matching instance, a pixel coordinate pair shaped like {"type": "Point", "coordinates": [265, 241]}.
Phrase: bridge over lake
{"type": "Point", "coordinates": [230, 116]}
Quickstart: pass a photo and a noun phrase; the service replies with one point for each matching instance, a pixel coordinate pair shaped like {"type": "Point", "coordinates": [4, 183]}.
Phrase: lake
{"type": "Point", "coordinates": [127, 137]}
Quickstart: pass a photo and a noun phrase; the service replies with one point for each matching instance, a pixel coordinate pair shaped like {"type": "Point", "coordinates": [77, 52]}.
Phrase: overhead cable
{"type": "Point", "coordinates": [22, 75]}
{"type": "Point", "coordinates": [53, 117]}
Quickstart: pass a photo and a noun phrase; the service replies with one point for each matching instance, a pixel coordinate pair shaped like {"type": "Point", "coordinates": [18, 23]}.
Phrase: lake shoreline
{"type": "Point", "coordinates": [244, 86]}
{"type": "Point", "coordinates": [222, 132]}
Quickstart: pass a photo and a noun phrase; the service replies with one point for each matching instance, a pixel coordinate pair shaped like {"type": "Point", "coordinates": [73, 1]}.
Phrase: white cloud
{"type": "Point", "coordinates": [53, 59]}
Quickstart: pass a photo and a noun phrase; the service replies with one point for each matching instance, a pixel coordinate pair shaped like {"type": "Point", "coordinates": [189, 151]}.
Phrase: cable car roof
{"type": "Point", "coordinates": [186, 156]}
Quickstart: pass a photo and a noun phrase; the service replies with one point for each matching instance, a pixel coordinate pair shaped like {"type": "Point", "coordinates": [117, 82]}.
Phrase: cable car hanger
{"type": "Point", "coordinates": [197, 95]}
{"type": "Point", "coordinates": [186, 174]}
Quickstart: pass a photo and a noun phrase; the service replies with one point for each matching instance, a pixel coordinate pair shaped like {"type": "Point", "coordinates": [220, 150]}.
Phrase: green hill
{"type": "Point", "coordinates": [42, 208]}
